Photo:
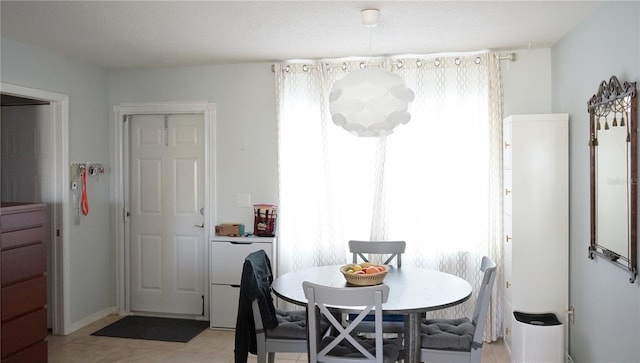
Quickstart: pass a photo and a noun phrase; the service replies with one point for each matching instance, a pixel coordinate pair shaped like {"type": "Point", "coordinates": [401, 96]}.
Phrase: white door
{"type": "Point", "coordinates": [166, 199]}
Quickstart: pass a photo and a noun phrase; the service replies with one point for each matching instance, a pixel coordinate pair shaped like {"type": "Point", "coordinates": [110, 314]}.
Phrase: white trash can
{"type": "Point", "coordinates": [537, 338]}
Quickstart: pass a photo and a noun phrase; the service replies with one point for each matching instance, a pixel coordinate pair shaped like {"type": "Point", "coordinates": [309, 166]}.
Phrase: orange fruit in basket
{"type": "Point", "coordinates": [371, 270]}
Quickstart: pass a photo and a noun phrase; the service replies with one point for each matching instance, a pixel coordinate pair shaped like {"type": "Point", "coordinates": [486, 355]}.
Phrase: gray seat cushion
{"type": "Point", "coordinates": [390, 347]}
{"type": "Point", "coordinates": [291, 325]}
{"type": "Point", "coordinates": [452, 334]}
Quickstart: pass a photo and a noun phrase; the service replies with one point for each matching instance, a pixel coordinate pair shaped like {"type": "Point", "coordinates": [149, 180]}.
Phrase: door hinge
{"type": "Point", "coordinates": [57, 232]}
{"type": "Point", "coordinates": [125, 215]}
{"type": "Point", "coordinates": [572, 314]}
{"type": "Point", "coordinates": [202, 305]}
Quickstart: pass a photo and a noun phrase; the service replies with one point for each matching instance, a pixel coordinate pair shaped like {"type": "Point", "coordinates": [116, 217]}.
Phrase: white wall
{"type": "Point", "coordinates": [245, 117]}
{"type": "Point", "coordinates": [607, 324]}
{"type": "Point", "coordinates": [527, 82]}
{"type": "Point", "coordinates": [26, 160]}
{"type": "Point", "coordinates": [91, 250]}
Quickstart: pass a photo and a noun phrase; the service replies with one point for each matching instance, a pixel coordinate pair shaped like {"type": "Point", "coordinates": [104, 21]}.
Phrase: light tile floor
{"type": "Point", "coordinates": [211, 346]}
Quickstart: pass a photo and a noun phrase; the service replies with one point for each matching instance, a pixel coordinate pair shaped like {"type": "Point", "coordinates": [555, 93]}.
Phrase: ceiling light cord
{"type": "Point", "coordinates": [370, 42]}
{"type": "Point", "coordinates": [370, 19]}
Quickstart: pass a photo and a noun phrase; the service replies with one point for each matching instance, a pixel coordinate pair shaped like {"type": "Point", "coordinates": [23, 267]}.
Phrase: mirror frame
{"type": "Point", "coordinates": [611, 94]}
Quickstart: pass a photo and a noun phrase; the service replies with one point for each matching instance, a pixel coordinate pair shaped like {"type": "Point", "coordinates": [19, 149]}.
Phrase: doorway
{"type": "Point", "coordinates": [166, 155]}
{"type": "Point", "coordinates": [38, 120]}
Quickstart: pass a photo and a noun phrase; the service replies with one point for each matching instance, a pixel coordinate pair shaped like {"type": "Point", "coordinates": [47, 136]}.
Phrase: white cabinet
{"type": "Point", "coordinates": [227, 256]}
{"type": "Point", "coordinates": [536, 216]}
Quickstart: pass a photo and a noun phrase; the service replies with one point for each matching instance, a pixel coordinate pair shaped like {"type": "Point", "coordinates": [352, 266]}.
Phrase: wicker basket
{"type": "Point", "coordinates": [363, 279]}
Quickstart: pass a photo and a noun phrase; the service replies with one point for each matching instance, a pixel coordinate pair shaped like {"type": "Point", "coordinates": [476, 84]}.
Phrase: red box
{"type": "Point", "coordinates": [265, 220]}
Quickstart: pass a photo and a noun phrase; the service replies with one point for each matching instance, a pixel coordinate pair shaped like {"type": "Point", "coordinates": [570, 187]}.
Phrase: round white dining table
{"type": "Point", "coordinates": [412, 292]}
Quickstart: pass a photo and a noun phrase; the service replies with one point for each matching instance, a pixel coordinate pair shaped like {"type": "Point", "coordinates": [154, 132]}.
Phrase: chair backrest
{"type": "Point", "coordinates": [488, 267]}
{"type": "Point", "coordinates": [393, 248]}
{"type": "Point", "coordinates": [363, 299]}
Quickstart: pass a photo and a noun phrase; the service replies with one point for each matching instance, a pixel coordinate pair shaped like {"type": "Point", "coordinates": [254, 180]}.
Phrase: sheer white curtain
{"type": "Point", "coordinates": [434, 183]}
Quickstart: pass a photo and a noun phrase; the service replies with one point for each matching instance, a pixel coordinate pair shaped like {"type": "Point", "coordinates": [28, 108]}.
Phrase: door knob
{"type": "Point", "coordinates": [199, 225]}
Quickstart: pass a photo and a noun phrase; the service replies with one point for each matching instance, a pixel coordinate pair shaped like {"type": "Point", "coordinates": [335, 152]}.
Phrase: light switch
{"type": "Point", "coordinates": [244, 200]}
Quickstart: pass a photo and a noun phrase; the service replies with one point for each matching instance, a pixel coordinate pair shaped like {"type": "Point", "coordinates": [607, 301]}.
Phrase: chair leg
{"type": "Point", "coordinates": [262, 354]}
{"type": "Point", "coordinates": [272, 357]}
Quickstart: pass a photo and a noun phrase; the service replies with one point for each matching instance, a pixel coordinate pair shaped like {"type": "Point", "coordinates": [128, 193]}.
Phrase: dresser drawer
{"type": "Point", "coordinates": [36, 353]}
{"type": "Point", "coordinates": [227, 259]}
{"type": "Point", "coordinates": [224, 305]}
{"type": "Point", "coordinates": [17, 221]}
{"type": "Point", "coordinates": [23, 297]}
{"type": "Point", "coordinates": [21, 238]}
{"type": "Point", "coordinates": [23, 263]}
{"type": "Point", "coordinates": [23, 332]}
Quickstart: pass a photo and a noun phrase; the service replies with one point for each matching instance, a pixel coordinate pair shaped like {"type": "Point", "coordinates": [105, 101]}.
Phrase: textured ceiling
{"type": "Point", "coordinates": [118, 34]}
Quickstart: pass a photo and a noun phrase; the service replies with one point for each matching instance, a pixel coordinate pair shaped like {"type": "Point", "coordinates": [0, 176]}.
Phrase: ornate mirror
{"type": "Point", "coordinates": [613, 152]}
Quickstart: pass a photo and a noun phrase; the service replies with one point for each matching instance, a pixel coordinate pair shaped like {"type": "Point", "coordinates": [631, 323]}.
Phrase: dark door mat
{"type": "Point", "coordinates": [151, 328]}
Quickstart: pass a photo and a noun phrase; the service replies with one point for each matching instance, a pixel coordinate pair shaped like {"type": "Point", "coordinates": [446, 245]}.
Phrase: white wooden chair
{"type": "Point", "coordinates": [340, 345]}
{"type": "Point", "coordinates": [362, 250]}
{"type": "Point", "coordinates": [459, 340]}
{"type": "Point", "coordinates": [393, 248]}
{"type": "Point", "coordinates": [288, 337]}
{"type": "Point", "coordinates": [259, 324]}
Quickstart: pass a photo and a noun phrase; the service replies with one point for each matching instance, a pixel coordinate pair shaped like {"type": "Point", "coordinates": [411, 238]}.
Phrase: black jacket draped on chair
{"type": "Point", "coordinates": [255, 283]}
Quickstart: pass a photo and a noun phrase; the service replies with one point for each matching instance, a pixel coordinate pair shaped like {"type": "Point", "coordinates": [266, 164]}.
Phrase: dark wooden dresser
{"type": "Point", "coordinates": [23, 296]}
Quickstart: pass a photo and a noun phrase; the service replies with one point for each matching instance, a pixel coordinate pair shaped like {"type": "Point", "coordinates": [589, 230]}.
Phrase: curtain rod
{"type": "Point", "coordinates": [511, 57]}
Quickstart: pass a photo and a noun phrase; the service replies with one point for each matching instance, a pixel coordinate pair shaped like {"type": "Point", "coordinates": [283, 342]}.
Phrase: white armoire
{"type": "Point", "coordinates": [536, 217]}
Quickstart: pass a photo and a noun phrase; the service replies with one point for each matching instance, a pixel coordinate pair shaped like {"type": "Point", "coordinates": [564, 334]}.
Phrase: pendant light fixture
{"type": "Point", "coordinates": [370, 102]}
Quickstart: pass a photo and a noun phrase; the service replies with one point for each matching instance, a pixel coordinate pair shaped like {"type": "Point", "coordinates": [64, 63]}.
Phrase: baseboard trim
{"type": "Point", "coordinates": [90, 319]}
